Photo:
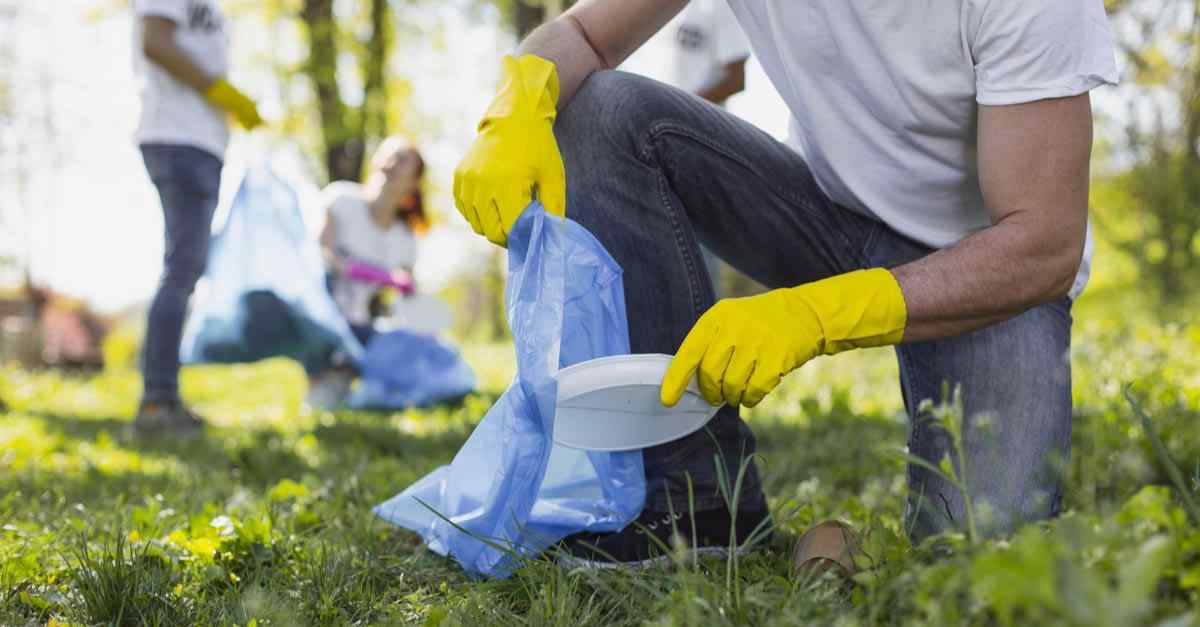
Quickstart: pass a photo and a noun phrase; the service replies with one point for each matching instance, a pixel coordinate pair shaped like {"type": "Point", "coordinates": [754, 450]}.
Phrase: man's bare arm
{"type": "Point", "coordinates": [596, 35]}
{"type": "Point", "coordinates": [1033, 169]}
{"type": "Point", "coordinates": [731, 81]}
{"type": "Point", "coordinates": [158, 44]}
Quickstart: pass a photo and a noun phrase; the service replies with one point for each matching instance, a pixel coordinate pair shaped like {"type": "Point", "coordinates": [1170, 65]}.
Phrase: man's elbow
{"type": "Point", "coordinates": [607, 58]}
{"type": "Point", "coordinates": [1063, 268]}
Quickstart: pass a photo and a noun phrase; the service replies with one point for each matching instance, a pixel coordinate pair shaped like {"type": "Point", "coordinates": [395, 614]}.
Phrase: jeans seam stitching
{"type": "Point", "coordinates": [676, 227]}
{"type": "Point", "coordinates": [659, 129]}
{"type": "Point", "coordinates": [680, 242]}
{"type": "Point", "coordinates": [914, 411]}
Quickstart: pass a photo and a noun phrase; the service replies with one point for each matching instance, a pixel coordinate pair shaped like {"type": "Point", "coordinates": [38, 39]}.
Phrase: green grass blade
{"type": "Point", "coordinates": [1164, 456]}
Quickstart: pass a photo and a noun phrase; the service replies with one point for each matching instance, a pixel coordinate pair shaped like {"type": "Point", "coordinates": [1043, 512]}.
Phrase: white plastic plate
{"type": "Point", "coordinates": [420, 313]}
{"type": "Point", "coordinates": [612, 404]}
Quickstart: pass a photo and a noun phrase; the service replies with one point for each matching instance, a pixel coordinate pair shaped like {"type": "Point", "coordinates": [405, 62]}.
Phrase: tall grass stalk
{"type": "Point", "coordinates": [1164, 456]}
{"type": "Point", "coordinates": [951, 417]}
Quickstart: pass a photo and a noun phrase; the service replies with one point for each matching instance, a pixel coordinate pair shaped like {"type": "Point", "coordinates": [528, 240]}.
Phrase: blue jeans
{"type": "Point", "coordinates": [654, 173]}
{"type": "Point", "coordinates": [188, 181]}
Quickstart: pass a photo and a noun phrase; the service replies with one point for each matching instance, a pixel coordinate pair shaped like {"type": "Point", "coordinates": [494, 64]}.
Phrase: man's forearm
{"type": "Point", "coordinates": [1033, 171]}
{"type": "Point", "coordinates": [177, 63]}
{"type": "Point", "coordinates": [564, 43]}
{"type": "Point", "coordinates": [989, 277]}
{"type": "Point", "coordinates": [596, 35]}
{"type": "Point", "coordinates": [158, 44]}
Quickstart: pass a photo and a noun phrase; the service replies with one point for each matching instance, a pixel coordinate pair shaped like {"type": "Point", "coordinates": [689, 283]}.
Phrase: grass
{"type": "Point", "coordinates": [266, 521]}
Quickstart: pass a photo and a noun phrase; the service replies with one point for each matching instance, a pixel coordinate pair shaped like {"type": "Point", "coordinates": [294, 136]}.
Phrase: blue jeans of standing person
{"type": "Point", "coordinates": [188, 181]}
{"type": "Point", "coordinates": [654, 173]}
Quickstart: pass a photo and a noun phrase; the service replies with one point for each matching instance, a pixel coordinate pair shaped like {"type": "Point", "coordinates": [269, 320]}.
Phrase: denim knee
{"type": "Point", "coordinates": [615, 109]}
{"type": "Point", "coordinates": [1016, 421]}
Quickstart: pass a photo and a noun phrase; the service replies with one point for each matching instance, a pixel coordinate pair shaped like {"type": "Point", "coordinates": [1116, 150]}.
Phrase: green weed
{"type": "Point", "coordinates": [267, 518]}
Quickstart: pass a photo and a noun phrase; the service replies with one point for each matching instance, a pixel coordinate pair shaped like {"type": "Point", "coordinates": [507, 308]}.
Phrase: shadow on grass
{"type": "Point", "coordinates": [213, 451]}
{"type": "Point", "coordinates": [381, 439]}
{"type": "Point", "coordinates": [840, 448]}
{"type": "Point", "coordinates": [80, 428]}
{"type": "Point", "coordinates": [83, 470]}
{"type": "Point", "coordinates": [359, 432]}
{"type": "Point", "coordinates": [354, 566]}
{"type": "Point", "coordinates": [362, 448]}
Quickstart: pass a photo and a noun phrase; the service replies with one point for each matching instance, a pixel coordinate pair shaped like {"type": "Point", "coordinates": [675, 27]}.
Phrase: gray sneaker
{"type": "Point", "coordinates": [166, 419]}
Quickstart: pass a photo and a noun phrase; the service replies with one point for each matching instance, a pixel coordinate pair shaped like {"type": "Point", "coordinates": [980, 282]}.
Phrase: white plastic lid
{"type": "Point", "coordinates": [419, 313]}
{"type": "Point", "coordinates": [612, 404]}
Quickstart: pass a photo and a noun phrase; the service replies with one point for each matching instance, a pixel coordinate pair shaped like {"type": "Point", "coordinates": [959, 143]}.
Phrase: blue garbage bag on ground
{"type": "Point", "coordinates": [265, 293]}
{"type": "Point", "coordinates": [404, 369]}
{"type": "Point", "coordinates": [511, 490]}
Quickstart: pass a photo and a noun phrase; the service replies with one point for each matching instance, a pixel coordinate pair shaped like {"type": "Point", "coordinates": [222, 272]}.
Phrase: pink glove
{"type": "Point", "coordinates": [367, 273]}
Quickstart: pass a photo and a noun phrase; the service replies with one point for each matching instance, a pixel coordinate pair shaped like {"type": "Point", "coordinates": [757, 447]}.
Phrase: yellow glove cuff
{"type": "Point", "coordinates": [528, 87]}
{"type": "Point", "coordinates": [858, 309]}
{"type": "Point", "coordinates": [227, 97]}
{"type": "Point", "coordinates": [221, 93]}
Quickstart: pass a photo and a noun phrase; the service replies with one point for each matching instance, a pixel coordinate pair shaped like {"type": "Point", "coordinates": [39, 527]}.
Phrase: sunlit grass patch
{"type": "Point", "coordinates": [266, 393]}
{"type": "Point", "coordinates": [41, 444]}
{"type": "Point", "coordinates": [267, 517]}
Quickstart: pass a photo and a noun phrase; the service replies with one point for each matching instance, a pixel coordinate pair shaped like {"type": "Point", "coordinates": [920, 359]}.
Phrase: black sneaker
{"type": "Point", "coordinates": [166, 418]}
{"type": "Point", "coordinates": [649, 539]}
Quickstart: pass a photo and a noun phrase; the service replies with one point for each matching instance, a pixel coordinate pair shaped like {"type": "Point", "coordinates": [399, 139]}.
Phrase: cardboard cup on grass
{"type": "Point", "coordinates": [830, 545]}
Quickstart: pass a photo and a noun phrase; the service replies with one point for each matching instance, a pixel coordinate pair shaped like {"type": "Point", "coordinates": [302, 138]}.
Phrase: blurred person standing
{"type": "Point", "coordinates": [708, 51]}
{"type": "Point", "coordinates": [181, 57]}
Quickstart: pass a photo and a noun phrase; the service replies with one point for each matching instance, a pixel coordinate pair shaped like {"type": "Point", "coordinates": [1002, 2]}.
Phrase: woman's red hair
{"type": "Point", "coordinates": [412, 209]}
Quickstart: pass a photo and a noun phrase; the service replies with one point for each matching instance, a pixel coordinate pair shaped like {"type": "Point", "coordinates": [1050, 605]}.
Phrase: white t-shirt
{"type": "Point", "coordinates": [172, 112]}
{"type": "Point", "coordinates": [705, 37]}
{"type": "Point", "coordinates": [884, 94]}
{"type": "Point", "coordinates": [358, 237]}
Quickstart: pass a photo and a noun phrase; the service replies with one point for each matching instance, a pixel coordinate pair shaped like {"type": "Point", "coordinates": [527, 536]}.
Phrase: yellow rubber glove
{"type": "Point", "coordinates": [742, 347]}
{"type": "Point", "coordinates": [514, 151]}
{"type": "Point", "coordinates": [239, 105]}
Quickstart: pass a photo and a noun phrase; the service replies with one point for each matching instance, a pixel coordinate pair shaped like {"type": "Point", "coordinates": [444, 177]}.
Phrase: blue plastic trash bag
{"type": "Point", "coordinates": [265, 293]}
{"type": "Point", "coordinates": [404, 369]}
{"type": "Point", "coordinates": [510, 485]}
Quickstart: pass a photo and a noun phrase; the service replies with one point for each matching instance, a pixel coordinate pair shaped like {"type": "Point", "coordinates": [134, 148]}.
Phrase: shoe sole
{"type": "Point", "coordinates": [573, 562]}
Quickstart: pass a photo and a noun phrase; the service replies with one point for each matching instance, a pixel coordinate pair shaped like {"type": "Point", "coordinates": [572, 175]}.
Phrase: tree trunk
{"type": "Point", "coordinates": [344, 130]}
{"type": "Point", "coordinates": [375, 95]}
{"type": "Point", "coordinates": [343, 151]}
